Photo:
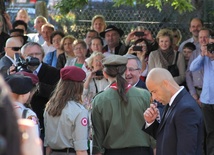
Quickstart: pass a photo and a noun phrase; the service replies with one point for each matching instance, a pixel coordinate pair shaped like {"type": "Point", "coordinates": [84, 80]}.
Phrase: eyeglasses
{"type": "Point", "coordinates": [34, 54]}
{"type": "Point", "coordinates": [80, 48]}
{"type": "Point", "coordinates": [132, 69]}
{"type": "Point", "coordinates": [15, 48]}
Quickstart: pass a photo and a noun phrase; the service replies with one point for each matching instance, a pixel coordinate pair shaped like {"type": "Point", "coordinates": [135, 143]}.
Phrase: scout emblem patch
{"type": "Point", "coordinates": [84, 121]}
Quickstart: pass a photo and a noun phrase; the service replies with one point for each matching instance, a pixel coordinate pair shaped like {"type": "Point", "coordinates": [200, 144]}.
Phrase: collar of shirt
{"type": "Point", "coordinates": [109, 50]}
{"type": "Point", "coordinates": [37, 69]}
{"type": "Point", "coordinates": [13, 61]}
{"type": "Point", "coordinates": [174, 96]}
{"type": "Point", "coordinates": [18, 104]}
{"type": "Point", "coordinates": [136, 83]}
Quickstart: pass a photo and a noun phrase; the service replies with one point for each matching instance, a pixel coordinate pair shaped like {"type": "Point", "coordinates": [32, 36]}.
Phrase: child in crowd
{"type": "Point", "coordinates": [187, 51]}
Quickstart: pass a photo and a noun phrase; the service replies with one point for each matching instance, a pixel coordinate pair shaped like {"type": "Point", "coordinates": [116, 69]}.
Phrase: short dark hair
{"type": "Point", "coordinates": [101, 40]}
{"type": "Point", "coordinates": [19, 22]}
{"type": "Point", "coordinates": [54, 33]}
{"type": "Point", "coordinates": [190, 46]}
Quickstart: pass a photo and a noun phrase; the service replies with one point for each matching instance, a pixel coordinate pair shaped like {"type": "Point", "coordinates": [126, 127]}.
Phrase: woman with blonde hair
{"type": "Point", "coordinates": [166, 57]}
{"type": "Point", "coordinates": [66, 46]}
{"type": "Point", "coordinates": [98, 23]}
{"type": "Point", "coordinates": [177, 37]}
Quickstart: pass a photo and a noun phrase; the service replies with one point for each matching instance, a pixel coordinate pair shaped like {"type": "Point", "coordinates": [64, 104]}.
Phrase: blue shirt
{"type": "Point", "coordinates": [51, 58]}
{"type": "Point", "coordinates": [208, 82]}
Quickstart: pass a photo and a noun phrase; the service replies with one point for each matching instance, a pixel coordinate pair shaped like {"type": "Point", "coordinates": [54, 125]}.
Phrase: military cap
{"type": "Point", "coordinates": [33, 77]}
{"type": "Point", "coordinates": [111, 28]}
{"type": "Point", "coordinates": [114, 60]}
{"type": "Point", "coordinates": [72, 73]}
{"type": "Point", "coordinates": [19, 84]}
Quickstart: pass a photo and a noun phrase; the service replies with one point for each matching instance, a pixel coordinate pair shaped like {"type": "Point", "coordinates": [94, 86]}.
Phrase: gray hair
{"type": "Point", "coordinates": [90, 59]}
{"type": "Point", "coordinates": [31, 44]}
{"type": "Point", "coordinates": [131, 56]}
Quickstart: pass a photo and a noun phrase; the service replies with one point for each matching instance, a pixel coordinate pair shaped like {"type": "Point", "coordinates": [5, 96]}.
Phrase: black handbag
{"type": "Point", "coordinates": [173, 69]}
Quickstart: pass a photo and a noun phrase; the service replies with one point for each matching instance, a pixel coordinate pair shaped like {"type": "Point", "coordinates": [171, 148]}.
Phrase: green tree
{"type": "Point", "coordinates": [180, 5]}
{"type": "Point", "coordinates": [65, 6]}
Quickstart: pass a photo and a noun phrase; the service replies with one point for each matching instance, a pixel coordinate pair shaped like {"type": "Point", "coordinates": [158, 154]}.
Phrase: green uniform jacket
{"type": "Point", "coordinates": [117, 125]}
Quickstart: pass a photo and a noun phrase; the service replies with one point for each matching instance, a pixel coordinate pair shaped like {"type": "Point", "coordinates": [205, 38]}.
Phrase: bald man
{"type": "Point", "coordinates": [179, 132]}
{"type": "Point", "coordinates": [13, 45]}
{"type": "Point", "coordinates": [195, 26]}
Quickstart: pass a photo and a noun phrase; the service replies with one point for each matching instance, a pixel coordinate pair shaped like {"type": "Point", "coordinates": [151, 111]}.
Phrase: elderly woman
{"type": "Point", "coordinates": [66, 46]}
{"type": "Point", "coordinates": [166, 57]}
{"type": "Point", "coordinates": [95, 82]}
{"type": "Point", "coordinates": [80, 51]}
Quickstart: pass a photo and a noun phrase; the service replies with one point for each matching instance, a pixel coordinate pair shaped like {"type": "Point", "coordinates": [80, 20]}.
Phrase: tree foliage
{"type": "Point", "coordinates": [181, 6]}
{"type": "Point", "coordinates": [65, 6]}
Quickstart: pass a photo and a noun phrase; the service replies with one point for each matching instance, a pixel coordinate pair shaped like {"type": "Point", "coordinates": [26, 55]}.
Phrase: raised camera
{"type": "Point", "coordinates": [22, 64]}
{"type": "Point", "coordinates": [139, 33]}
{"type": "Point", "coordinates": [210, 47]}
{"type": "Point", "coordinates": [99, 73]}
{"type": "Point", "coordinates": [137, 48]}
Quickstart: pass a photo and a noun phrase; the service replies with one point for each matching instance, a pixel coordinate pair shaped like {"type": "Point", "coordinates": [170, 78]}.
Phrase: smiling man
{"type": "Point", "coordinates": [133, 71]}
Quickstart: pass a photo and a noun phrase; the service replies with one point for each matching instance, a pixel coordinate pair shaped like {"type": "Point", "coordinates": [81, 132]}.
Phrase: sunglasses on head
{"type": "Point", "coordinates": [15, 48]}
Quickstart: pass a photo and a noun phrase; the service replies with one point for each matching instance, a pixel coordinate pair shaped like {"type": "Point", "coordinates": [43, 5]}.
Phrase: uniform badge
{"type": "Point", "coordinates": [84, 121]}
{"type": "Point", "coordinates": [34, 119]}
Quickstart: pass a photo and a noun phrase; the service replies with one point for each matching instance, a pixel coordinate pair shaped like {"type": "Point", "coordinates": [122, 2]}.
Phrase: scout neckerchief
{"type": "Point", "coordinates": [114, 86]}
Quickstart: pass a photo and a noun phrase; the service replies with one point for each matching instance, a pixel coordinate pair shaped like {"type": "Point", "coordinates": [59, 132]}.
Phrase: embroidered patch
{"type": "Point", "coordinates": [34, 119]}
{"type": "Point", "coordinates": [84, 121]}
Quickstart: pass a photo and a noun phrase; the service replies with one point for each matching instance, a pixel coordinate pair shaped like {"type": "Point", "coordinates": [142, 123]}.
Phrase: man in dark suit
{"type": "Point", "coordinates": [180, 129]}
{"type": "Point", "coordinates": [48, 78]}
{"type": "Point", "coordinates": [133, 71]}
{"type": "Point", "coordinates": [13, 45]}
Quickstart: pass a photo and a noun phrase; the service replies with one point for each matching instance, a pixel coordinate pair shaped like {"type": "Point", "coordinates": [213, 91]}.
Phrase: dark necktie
{"type": "Point", "coordinates": [165, 113]}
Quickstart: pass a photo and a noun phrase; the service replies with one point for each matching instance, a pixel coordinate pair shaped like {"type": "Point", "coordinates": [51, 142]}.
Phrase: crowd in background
{"type": "Point", "coordinates": [54, 80]}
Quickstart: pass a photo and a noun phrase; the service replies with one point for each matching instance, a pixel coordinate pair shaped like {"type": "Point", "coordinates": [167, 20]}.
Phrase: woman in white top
{"type": "Point", "coordinates": [95, 81]}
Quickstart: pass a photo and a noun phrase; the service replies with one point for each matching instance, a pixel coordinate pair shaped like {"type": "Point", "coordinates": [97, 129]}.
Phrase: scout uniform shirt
{"type": "Point", "coordinates": [69, 130]}
{"type": "Point", "coordinates": [119, 126]}
{"type": "Point", "coordinates": [19, 108]}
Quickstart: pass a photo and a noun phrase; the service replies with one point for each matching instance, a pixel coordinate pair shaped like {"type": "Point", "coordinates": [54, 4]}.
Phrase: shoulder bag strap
{"type": "Point", "coordinates": [24, 113]}
{"type": "Point", "coordinates": [176, 58]}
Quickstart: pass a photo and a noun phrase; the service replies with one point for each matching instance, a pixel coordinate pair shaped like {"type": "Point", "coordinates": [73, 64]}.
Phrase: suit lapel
{"type": "Point", "coordinates": [171, 108]}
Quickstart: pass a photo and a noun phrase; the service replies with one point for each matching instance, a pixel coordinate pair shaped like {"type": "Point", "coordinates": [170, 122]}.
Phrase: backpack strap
{"type": "Point", "coordinates": [24, 113]}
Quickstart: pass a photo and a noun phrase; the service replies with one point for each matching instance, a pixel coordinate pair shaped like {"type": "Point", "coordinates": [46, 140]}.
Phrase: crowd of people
{"type": "Point", "coordinates": [100, 94]}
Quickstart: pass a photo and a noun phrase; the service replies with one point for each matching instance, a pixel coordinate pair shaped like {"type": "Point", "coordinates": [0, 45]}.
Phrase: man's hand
{"type": "Point", "coordinates": [151, 113]}
{"type": "Point", "coordinates": [11, 70]}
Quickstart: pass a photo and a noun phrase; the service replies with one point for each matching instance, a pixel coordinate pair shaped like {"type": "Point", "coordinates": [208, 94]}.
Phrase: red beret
{"type": "Point", "coordinates": [33, 77]}
{"type": "Point", "coordinates": [72, 73]}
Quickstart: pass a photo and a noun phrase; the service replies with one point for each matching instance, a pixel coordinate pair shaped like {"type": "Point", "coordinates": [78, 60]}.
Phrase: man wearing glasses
{"type": "Point", "coordinates": [133, 71]}
{"type": "Point", "coordinates": [13, 45]}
